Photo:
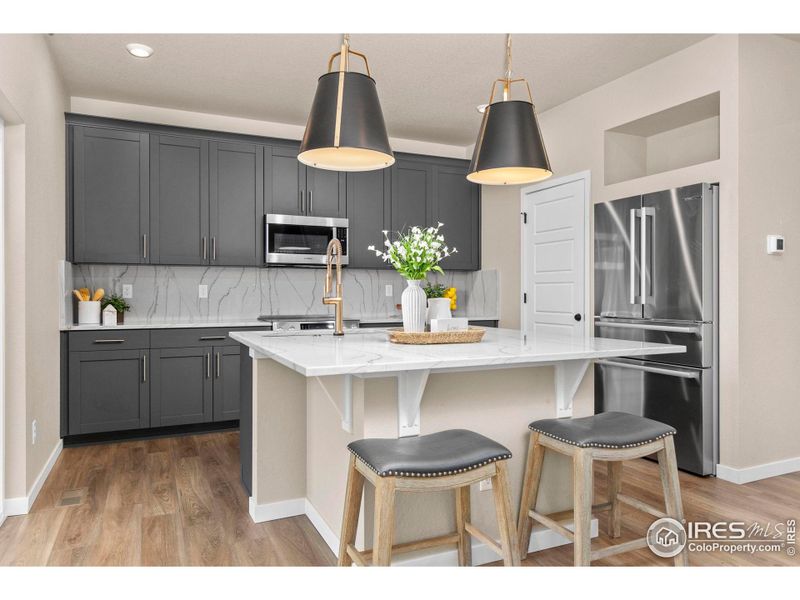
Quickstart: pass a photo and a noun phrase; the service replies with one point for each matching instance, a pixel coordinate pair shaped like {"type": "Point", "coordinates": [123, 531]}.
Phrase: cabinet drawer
{"type": "Point", "coordinates": [81, 341]}
{"type": "Point", "coordinates": [188, 338]}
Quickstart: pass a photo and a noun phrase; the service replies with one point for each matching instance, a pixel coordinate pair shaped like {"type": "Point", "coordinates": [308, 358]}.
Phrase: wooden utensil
{"type": "Point", "coordinates": [99, 293]}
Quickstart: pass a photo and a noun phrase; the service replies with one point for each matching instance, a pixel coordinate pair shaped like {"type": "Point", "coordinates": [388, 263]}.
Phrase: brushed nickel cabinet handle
{"type": "Point", "coordinates": [144, 368]}
{"type": "Point", "coordinates": [208, 365]}
{"type": "Point", "coordinates": [310, 201]}
{"type": "Point", "coordinates": [205, 247]}
{"type": "Point", "coordinates": [214, 248]}
{"type": "Point", "coordinates": [144, 245]}
{"type": "Point", "coordinates": [109, 341]}
{"type": "Point", "coordinates": [212, 337]}
{"type": "Point", "coordinates": [217, 365]}
{"type": "Point", "coordinates": [300, 198]}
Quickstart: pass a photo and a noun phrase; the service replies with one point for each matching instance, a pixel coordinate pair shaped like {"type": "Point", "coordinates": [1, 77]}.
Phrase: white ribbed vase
{"type": "Point", "coordinates": [414, 303]}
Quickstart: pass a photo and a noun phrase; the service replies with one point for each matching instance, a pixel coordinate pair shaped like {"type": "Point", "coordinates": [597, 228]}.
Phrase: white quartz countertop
{"type": "Point", "coordinates": [371, 352]}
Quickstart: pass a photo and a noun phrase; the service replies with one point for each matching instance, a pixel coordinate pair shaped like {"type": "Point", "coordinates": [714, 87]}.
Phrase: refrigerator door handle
{"type": "Point", "coordinates": [693, 329]}
{"type": "Point", "coordinates": [634, 213]}
{"type": "Point", "coordinates": [643, 270]}
{"type": "Point", "coordinates": [649, 369]}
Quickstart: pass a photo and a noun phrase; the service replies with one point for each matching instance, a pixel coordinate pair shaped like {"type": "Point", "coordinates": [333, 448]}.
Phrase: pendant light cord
{"type": "Point", "coordinates": [508, 57]}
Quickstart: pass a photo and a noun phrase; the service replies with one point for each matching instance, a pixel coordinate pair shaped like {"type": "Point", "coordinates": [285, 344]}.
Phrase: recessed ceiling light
{"type": "Point", "coordinates": [140, 50]}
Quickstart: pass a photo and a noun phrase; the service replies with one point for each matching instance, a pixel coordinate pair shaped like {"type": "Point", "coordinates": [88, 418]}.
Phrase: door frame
{"type": "Point", "coordinates": [2, 328]}
{"type": "Point", "coordinates": [586, 178]}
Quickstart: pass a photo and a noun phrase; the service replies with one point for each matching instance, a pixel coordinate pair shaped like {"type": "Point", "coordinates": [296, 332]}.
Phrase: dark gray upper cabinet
{"type": "Point", "coordinates": [295, 189]}
{"type": "Point", "coordinates": [108, 391]}
{"type": "Point", "coordinates": [181, 391]}
{"type": "Point", "coordinates": [179, 205]}
{"type": "Point", "coordinates": [110, 195]}
{"type": "Point", "coordinates": [227, 383]}
{"type": "Point", "coordinates": [456, 203]}
{"type": "Point", "coordinates": [237, 203]}
{"type": "Point", "coordinates": [369, 208]}
{"type": "Point", "coordinates": [412, 188]}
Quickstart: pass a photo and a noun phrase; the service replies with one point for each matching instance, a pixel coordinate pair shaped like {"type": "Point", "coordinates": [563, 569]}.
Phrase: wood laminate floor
{"type": "Point", "coordinates": [178, 501]}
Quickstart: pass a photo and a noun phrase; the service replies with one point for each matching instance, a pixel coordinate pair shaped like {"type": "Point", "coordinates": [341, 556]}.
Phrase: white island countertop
{"type": "Point", "coordinates": [366, 352]}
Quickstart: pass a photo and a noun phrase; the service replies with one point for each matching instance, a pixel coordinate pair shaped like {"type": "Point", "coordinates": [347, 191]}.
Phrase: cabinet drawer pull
{"type": "Point", "coordinates": [205, 247]}
{"type": "Point", "coordinates": [310, 201]}
{"type": "Point", "coordinates": [144, 245]}
{"type": "Point", "coordinates": [144, 368]}
{"type": "Point", "coordinates": [208, 365]}
{"type": "Point", "coordinates": [109, 341]}
{"type": "Point", "coordinates": [212, 337]}
{"type": "Point", "coordinates": [300, 201]}
{"type": "Point", "coordinates": [217, 365]}
{"type": "Point", "coordinates": [214, 248]}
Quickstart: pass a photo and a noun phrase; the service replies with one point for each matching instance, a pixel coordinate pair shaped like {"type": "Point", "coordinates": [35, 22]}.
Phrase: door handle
{"type": "Point", "coordinates": [647, 369]}
{"type": "Point", "coordinates": [208, 365]}
{"type": "Point", "coordinates": [633, 255]}
{"type": "Point", "coordinates": [144, 368]}
{"type": "Point", "coordinates": [643, 271]}
{"type": "Point", "coordinates": [578, 317]}
{"type": "Point", "coordinates": [217, 365]}
{"type": "Point", "coordinates": [696, 330]}
{"type": "Point", "coordinates": [310, 201]}
{"type": "Point", "coordinates": [214, 248]}
{"type": "Point", "coordinates": [205, 247]}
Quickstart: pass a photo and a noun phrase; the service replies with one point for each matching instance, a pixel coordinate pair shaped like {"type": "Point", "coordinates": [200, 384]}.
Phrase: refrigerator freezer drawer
{"type": "Point", "coordinates": [697, 337]}
{"type": "Point", "coordinates": [679, 396]}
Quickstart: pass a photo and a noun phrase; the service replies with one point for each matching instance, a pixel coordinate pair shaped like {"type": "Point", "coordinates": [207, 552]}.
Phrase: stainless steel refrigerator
{"type": "Point", "coordinates": [655, 279]}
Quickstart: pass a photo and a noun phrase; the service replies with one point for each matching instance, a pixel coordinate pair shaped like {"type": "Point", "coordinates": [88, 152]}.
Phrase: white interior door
{"type": "Point", "coordinates": [554, 264]}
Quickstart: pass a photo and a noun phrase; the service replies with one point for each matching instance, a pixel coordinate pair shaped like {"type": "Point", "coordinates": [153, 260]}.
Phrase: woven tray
{"type": "Point", "coordinates": [469, 336]}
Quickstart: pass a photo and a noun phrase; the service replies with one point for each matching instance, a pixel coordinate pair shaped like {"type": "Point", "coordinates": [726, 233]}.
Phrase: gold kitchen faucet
{"type": "Point", "coordinates": [334, 252]}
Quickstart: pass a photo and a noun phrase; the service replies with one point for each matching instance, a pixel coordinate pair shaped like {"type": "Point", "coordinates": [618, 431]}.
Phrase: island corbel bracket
{"type": "Point", "coordinates": [410, 387]}
{"type": "Point", "coordinates": [346, 410]}
{"type": "Point", "coordinates": [569, 374]}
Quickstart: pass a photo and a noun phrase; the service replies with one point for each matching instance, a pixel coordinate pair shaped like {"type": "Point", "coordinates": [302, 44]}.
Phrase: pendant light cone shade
{"type": "Point", "coordinates": [510, 149]}
{"type": "Point", "coordinates": [345, 129]}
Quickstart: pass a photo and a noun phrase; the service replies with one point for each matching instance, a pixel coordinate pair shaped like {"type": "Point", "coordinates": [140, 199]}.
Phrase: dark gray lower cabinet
{"type": "Point", "coordinates": [227, 383]}
{"type": "Point", "coordinates": [108, 391]}
{"type": "Point", "coordinates": [181, 387]}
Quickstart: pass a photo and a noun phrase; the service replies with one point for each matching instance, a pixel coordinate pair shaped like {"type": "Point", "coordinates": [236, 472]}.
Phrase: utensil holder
{"type": "Point", "coordinates": [89, 312]}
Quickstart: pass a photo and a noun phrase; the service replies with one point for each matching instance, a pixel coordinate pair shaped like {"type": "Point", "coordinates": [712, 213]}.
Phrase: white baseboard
{"type": "Point", "coordinates": [23, 504]}
{"type": "Point", "coordinates": [541, 539]}
{"type": "Point", "coordinates": [276, 510]}
{"type": "Point", "coordinates": [2, 515]}
{"type": "Point", "coordinates": [748, 474]}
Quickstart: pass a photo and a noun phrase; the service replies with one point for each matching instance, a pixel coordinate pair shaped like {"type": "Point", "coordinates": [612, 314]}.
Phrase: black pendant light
{"type": "Point", "coordinates": [510, 149]}
{"type": "Point", "coordinates": [345, 129]}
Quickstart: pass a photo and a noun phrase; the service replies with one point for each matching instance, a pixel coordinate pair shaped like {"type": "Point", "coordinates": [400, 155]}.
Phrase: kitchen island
{"type": "Point", "coordinates": [313, 394]}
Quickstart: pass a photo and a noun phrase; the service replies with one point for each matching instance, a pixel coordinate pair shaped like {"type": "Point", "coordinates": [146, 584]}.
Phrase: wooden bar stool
{"type": "Point", "coordinates": [447, 460]}
{"type": "Point", "coordinates": [612, 437]}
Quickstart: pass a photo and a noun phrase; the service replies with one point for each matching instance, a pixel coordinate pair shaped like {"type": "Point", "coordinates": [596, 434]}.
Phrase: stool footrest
{"type": "Point", "coordinates": [365, 558]}
{"type": "Point", "coordinates": [552, 524]}
{"type": "Point", "coordinates": [642, 506]}
{"type": "Point", "coordinates": [480, 535]}
{"type": "Point", "coordinates": [636, 544]}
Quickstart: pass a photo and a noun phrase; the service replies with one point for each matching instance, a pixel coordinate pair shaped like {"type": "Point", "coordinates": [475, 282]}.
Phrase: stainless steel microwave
{"type": "Point", "coordinates": [299, 240]}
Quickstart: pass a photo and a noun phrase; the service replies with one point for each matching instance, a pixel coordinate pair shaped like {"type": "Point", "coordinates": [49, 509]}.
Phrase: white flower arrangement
{"type": "Point", "coordinates": [415, 252]}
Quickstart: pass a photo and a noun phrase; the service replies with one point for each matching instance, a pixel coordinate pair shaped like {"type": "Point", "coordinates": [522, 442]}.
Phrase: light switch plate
{"type": "Point", "coordinates": [127, 290]}
{"type": "Point", "coordinates": [389, 290]}
{"type": "Point", "coordinates": [485, 485]}
{"type": "Point", "coordinates": [202, 290]}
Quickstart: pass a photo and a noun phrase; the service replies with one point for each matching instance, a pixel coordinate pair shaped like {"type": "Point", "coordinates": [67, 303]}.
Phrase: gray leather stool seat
{"type": "Point", "coordinates": [604, 430]}
{"type": "Point", "coordinates": [432, 455]}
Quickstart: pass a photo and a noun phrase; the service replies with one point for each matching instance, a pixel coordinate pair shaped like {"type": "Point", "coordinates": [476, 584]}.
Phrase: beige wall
{"type": "Point", "coordinates": [34, 244]}
{"type": "Point", "coordinates": [769, 286]}
{"type": "Point", "coordinates": [574, 131]}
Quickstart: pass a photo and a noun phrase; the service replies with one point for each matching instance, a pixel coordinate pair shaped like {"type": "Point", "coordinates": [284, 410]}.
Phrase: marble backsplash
{"type": "Point", "coordinates": [169, 294]}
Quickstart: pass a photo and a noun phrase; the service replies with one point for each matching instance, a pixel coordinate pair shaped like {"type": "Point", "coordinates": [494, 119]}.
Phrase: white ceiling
{"type": "Point", "coordinates": [429, 85]}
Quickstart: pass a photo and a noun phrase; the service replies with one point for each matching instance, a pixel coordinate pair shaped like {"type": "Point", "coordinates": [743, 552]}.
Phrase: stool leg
{"type": "Point", "coordinates": [384, 522]}
{"type": "Point", "coordinates": [614, 487]}
{"type": "Point", "coordinates": [530, 491]}
{"type": "Point", "coordinates": [505, 518]}
{"type": "Point", "coordinates": [582, 498]}
{"type": "Point", "coordinates": [352, 506]}
{"type": "Point", "coordinates": [668, 468]}
{"type": "Point", "coordinates": [462, 518]}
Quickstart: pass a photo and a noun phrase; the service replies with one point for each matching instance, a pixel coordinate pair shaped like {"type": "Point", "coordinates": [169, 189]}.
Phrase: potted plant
{"type": "Point", "coordinates": [416, 252]}
{"type": "Point", "coordinates": [438, 302]}
{"type": "Point", "coordinates": [119, 303]}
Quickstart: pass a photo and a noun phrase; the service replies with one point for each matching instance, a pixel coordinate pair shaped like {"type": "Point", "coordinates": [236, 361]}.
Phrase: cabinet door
{"type": "Point", "coordinates": [178, 200]}
{"type": "Point", "coordinates": [456, 203]}
{"type": "Point", "coordinates": [110, 196]}
{"type": "Point", "coordinates": [181, 386]}
{"type": "Point", "coordinates": [237, 200]}
{"type": "Point", "coordinates": [325, 193]}
{"type": "Point", "coordinates": [108, 391]}
{"type": "Point", "coordinates": [412, 186]}
{"type": "Point", "coordinates": [368, 205]}
{"type": "Point", "coordinates": [227, 382]}
{"type": "Point", "coordinates": [285, 182]}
